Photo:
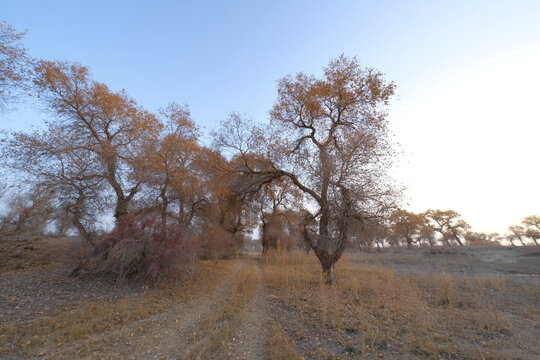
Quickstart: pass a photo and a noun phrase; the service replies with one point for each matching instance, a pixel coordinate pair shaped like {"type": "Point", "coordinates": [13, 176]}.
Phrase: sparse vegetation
{"type": "Point", "coordinates": [476, 303]}
{"type": "Point", "coordinates": [125, 233]}
{"type": "Point", "coordinates": [72, 323]}
{"type": "Point", "coordinates": [378, 312]}
{"type": "Point", "coordinates": [280, 347]}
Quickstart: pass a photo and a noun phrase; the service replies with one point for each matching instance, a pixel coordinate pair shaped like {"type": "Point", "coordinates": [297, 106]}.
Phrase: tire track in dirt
{"type": "Point", "coordinates": [244, 332]}
{"type": "Point", "coordinates": [250, 341]}
{"type": "Point", "coordinates": [156, 337]}
{"type": "Point", "coordinates": [177, 337]}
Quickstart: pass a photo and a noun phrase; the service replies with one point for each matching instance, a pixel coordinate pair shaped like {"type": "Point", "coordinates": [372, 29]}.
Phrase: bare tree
{"type": "Point", "coordinates": [275, 204]}
{"type": "Point", "coordinates": [59, 164]}
{"type": "Point", "coordinates": [372, 233]}
{"type": "Point", "coordinates": [532, 227]}
{"type": "Point", "coordinates": [448, 224]}
{"type": "Point", "coordinates": [28, 212]}
{"type": "Point", "coordinates": [406, 226]}
{"type": "Point", "coordinates": [518, 232]}
{"type": "Point", "coordinates": [427, 234]}
{"type": "Point", "coordinates": [226, 209]}
{"type": "Point", "coordinates": [510, 238]}
{"type": "Point", "coordinates": [109, 125]}
{"type": "Point", "coordinates": [14, 64]}
{"type": "Point", "coordinates": [481, 239]}
{"type": "Point", "coordinates": [329, 137]}
{"type": "Point", "coordinates": [171, 166]}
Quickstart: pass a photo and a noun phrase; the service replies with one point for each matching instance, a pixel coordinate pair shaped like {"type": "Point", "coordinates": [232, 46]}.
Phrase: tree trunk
{"type": "Point", "coordinates": [122, 201]}
{"type": "Point", "coordinates": [164, 206]}
{"type": "Point", "coordinates": [82, 231]}
{"type": "Point", "coordinates": [121, 207]}
{"type": "Point", "coordinates": [409, 243]}
{"type": "Point", "coordinates": [182, 213]}
{"type": "Point", "coordinates": [330, 275]}
{"type": "Point", "coordinates": [77, 215]}
{"type": "Point", "coordinates": [445, 240]}
{"type": "Point", "coordinates": [329, 258]}
{"type": "Point", "coordinates": [329, 272]}
{"type": "Point", "coordinates": [328, 251]}
{"type": "Point", "coordinates": [265, 244]}
{"type": "Point", "coordinates": [457, 238]}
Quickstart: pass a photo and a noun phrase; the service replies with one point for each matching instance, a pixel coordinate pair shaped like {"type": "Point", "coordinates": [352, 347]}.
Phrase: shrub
{"type": "Point", "coordinates": [217, 243]}
{"type": "Point", "coordinates": [146, 247]}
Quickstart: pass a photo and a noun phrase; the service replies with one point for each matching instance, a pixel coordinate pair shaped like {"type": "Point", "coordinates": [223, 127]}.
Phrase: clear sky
{"type": "Point", "coordinates": [467, 114]}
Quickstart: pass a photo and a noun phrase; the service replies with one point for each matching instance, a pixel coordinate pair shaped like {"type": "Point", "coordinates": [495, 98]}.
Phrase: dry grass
{"type": "Point", "coordinates": [384, 306]}
{"type": "Point", "coordinates": [214, 332]}
{"type": "Point", "coordinates": [74, 325]}
{"type": "Point", "coordinates": [89, 318]}
{"type": "Point", "coordinates": [33, 252]}
{"type": "Point", "coordinates": [380, 313]}
{"type": "Point", "coordinates": [280, 347]}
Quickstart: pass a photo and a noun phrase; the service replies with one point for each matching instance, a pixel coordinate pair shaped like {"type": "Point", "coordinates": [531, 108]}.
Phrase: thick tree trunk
{"type": "Point", "coordinates": [122, 201]}
{"type": "Point", "coordinates": [82, 231]}
{"type": "Point", "coordinates": [77, 216]}
{"type": "Point", "coordinates": [329, 275]}
{"type": "Point", "coordinates": [328, 258]}
{"type": "Point", "coordinates": [121, 208]}
{"type": "Point", "coordinates": [264, 239]}
{"type": "Point", "coordinates": [329, 272]}
{"type": "Point", "coordinates": [327, 248]}
{"type": "Point", "coordinates": [409, 243]}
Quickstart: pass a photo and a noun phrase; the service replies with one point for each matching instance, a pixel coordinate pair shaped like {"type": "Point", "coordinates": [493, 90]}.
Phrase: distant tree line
{"type": "Point", "coordinates": [441, 228]}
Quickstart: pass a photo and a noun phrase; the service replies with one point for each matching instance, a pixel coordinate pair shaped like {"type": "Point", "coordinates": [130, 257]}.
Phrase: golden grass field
{"type": "Point", "coordinates": [376, 312]}
{"type": "Point", "coordinates": [396, 304]}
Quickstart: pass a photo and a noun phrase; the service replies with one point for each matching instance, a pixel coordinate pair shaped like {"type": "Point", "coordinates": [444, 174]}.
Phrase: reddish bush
{"type": "Point", "coordinates": [145, 246]}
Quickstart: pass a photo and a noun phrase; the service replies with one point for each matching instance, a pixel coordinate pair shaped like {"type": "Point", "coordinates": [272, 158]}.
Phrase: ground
{"type": "Point", "coordinates": [473, 303]}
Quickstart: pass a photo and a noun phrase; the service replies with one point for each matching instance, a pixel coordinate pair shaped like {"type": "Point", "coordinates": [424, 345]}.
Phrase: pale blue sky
{"type": "Point", "coordinates": [456, 63]}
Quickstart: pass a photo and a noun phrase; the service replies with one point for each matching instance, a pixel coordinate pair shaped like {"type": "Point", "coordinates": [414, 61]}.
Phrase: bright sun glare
{"type": "Point", "coordinates": [470, 142]}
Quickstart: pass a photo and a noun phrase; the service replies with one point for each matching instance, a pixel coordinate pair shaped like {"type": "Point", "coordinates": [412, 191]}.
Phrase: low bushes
{"type": "Point", "coordinates": [145, 247]}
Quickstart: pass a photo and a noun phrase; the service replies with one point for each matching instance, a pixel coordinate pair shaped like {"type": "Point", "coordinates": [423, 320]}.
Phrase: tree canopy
{"type": "Point", "coordinates": [328, 137]}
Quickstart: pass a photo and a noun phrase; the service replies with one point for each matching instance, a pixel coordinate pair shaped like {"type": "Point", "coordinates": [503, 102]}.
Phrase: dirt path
{"type": "Point", "coordinates": [251, 338]}
{"type": "Point", "coordinates": [188, 330]}
{"type": "Point", "coordinates": [229, 321]}
{"type": "Point", "coordinates": [162, 336]}
{"type": "Point", "coordinates": [240, 327]}
{"type": "Point", "coordinates": [234, 316]}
